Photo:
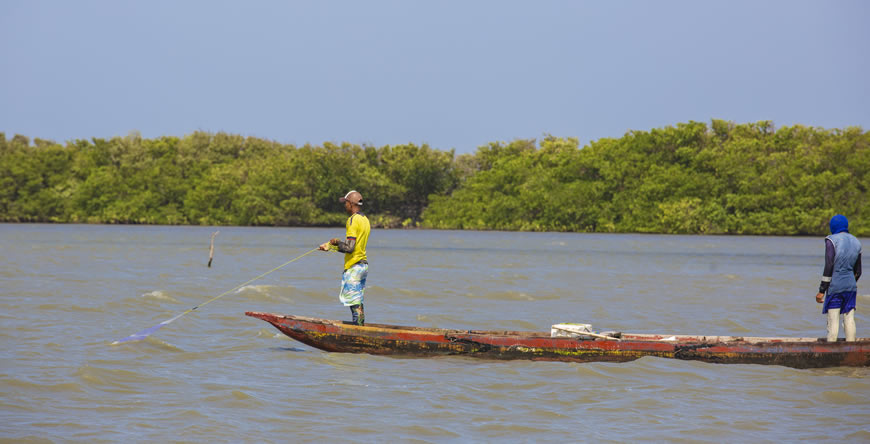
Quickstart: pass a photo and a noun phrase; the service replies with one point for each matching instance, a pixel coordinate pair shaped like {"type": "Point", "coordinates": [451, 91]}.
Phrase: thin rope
{"type": "Point", "coordinates": [144, 333]}
{"type": "Point", "coordinates": [252, 280]}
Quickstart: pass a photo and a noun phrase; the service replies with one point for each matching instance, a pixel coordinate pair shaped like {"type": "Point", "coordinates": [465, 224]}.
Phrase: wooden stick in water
{"type": "Point", "coordinates": [211, 249]}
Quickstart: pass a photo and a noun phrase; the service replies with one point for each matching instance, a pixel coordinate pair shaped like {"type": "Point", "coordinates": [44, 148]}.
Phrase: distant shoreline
{"type": "Point", "coordinates": [691, 178]}
{"type": "Point", "coordinates": [408, 228]}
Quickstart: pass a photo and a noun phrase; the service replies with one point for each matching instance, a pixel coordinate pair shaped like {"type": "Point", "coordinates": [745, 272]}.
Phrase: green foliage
{"type": "Point", "coordinates": [692, 178]}
{"type": "Point", "coordinates": [725, 179]}
{"type": "Point", "coordinates": [219, 179]}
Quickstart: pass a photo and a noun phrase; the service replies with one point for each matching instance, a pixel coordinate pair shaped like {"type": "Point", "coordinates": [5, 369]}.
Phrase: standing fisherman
{"type": "Point", "coordinates": [840, 278]}
{"type": "Point", "coordinates": [356, 265]}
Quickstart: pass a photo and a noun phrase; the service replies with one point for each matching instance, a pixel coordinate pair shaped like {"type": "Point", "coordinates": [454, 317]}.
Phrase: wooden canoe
{"type": "Point", "coordinates": [379, 339]}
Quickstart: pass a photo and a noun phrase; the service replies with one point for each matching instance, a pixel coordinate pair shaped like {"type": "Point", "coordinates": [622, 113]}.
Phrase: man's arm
{"type": "Point", "coordinates": [346, 246]}
{"type": "Point", "coordinates": [829, 266]}
{"type": "Point", "coordinates": [828, 272]}
{"type": "Point", "coordinates": [857, 268]}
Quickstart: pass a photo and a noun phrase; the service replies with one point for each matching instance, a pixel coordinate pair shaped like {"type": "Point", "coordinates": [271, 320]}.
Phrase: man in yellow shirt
{"type": "Point", "coordinates": [356, 265]}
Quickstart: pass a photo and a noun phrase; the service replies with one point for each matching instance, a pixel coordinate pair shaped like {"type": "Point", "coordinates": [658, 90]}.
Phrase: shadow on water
{"type": "Point", "coordinates": [289, 349]}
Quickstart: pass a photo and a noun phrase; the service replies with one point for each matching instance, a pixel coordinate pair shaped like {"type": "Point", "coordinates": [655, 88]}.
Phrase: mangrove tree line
{"type": "Point", "coordinates": [690, 178]}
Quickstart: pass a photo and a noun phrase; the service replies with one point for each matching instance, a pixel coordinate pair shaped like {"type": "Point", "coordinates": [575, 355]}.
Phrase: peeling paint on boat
{"type": "Point", "coordinates": [378, 339]}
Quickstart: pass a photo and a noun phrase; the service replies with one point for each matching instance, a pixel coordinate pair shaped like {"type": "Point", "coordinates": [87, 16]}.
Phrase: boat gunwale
{"type": "Point", "coordinates": [369, 329]}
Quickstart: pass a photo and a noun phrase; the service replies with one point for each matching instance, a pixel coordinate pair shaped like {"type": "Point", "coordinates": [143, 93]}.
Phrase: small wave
{"type": "Point", "coordinates": [269, 293]}
{"type": "Point", "coordinates": [259, 291]}
{"type": "Point", "coordinates": [116, 380]}
{"type": "Point", "coordinates": [257, 288]}
{"type": "Point", "coordinates": [159, 295]}
{"type": "Point", "coordinates": [859, 436]}
{"type": "Point", "coordinates": [509, 430]}
{"type": "Point", "coordinates": [233, 399]}
{"type": "Point", "coordinates": [841, 398]}
{"type": "Point", "coordinates": [153, 343]}
{"type": "Point", "coordinates": [240, 395]}
{"type": "Point", "coordinates": [434, 432]}
{"type": "Point", "coordinates": [162, 345]}
{"type": "Point", "coordinates": [268, 333]}
{"type": "Point", "coordinates": [512, 295]}
{"type": "Point", "coordinates": [68, 308]}
{"type": "Point", "coordinates": [14, 383]}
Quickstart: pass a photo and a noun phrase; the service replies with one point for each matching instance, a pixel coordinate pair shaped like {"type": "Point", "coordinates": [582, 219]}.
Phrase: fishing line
{"type": "Point", "coordinates": [145, 333]}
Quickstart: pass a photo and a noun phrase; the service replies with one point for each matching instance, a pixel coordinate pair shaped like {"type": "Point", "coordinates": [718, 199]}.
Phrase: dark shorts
{"type": "Point", "coordinates": [844, 301]}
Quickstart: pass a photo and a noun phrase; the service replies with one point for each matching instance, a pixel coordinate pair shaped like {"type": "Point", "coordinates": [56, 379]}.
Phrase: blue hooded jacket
{"type": "Point", "coordinates": [847, 249]}
{"type": "Point", "coordinates": [839, 223]}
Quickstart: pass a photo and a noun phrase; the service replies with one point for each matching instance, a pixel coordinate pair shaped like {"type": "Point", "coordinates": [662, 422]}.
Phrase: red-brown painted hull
{"type": "Point", "coordinates": [378, 339]}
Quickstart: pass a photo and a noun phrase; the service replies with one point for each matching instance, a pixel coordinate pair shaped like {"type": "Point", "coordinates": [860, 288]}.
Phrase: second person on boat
{"type": "Point", "coordinates": [838, 290]}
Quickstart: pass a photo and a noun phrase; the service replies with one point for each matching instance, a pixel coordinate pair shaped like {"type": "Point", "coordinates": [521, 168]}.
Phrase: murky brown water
{"type": "Point", "coordinates": [216, 375]}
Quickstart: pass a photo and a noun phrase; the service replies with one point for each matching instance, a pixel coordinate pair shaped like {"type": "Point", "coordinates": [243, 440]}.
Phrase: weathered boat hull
{"type": "Point", "coordinates": [379, 339]}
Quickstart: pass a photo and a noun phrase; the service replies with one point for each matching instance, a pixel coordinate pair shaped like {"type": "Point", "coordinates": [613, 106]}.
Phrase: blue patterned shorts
{"type": "Point", "coordinates": [353, 284]}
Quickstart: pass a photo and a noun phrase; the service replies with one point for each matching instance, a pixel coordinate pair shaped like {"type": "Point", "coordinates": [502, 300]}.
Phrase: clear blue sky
{"type": "Point", "coordinates": [453, 74]}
